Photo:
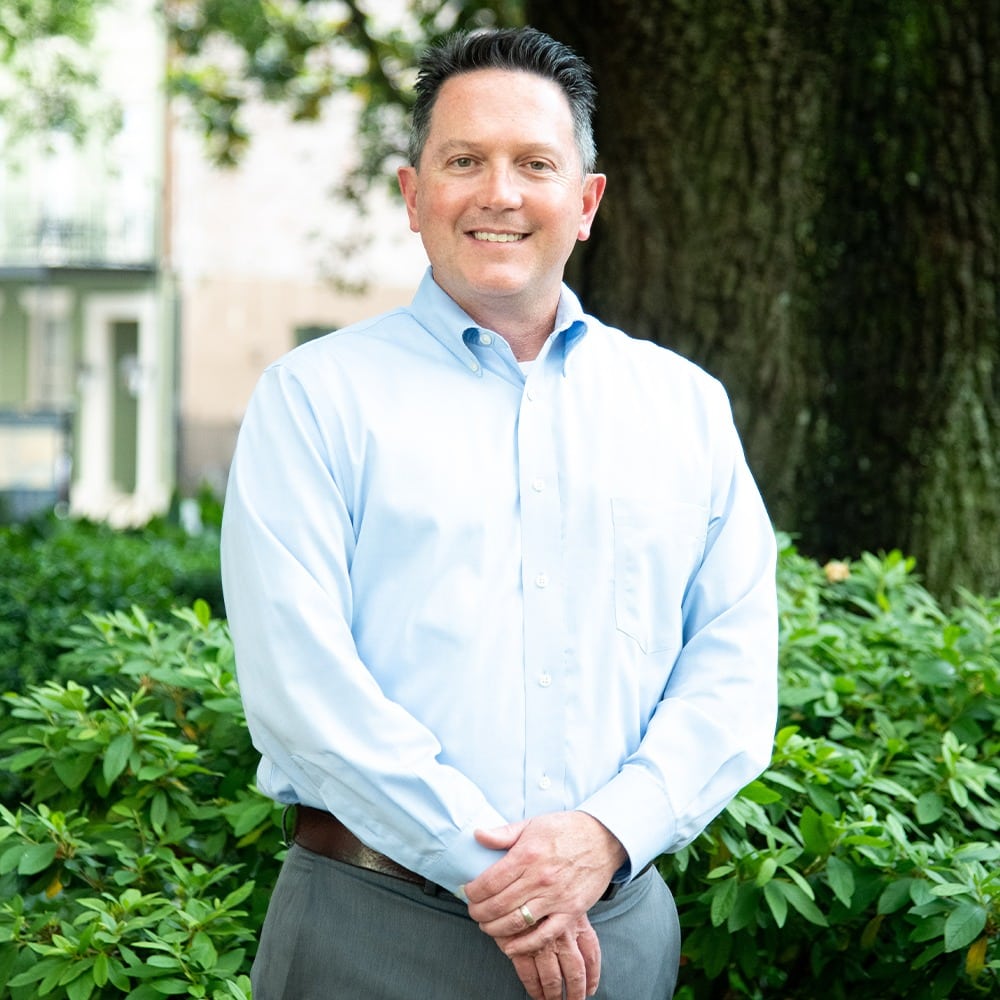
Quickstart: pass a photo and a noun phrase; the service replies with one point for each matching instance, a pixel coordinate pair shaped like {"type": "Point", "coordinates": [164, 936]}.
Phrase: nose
{"type": "Point", "coordinates": [500, 188]}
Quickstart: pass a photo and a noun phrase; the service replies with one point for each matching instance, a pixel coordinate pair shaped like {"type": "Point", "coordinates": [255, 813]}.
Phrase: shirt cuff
{"type": "Point", "coordinates": [465, 858]}
{"type": "Point", "coordinates": [636, 810]}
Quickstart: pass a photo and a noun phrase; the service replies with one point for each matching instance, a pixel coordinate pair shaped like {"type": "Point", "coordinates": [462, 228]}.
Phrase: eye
{"type": "Point", "coordinates": [462, 162]}
{"type": "Point", "coordinates": [538, 166]}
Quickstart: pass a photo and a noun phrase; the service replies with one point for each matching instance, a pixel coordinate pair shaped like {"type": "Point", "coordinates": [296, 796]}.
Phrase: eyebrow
{"type": "Point", "coordinates": [468, 145]}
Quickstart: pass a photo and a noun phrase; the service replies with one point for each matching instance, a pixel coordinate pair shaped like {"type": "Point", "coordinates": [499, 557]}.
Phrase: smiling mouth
{"type": "Point", "coordinates": [498, 237]}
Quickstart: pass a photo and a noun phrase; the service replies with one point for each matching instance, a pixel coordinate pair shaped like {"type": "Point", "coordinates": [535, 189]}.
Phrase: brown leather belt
{"type": "Point", "coordinates": [322, 833]}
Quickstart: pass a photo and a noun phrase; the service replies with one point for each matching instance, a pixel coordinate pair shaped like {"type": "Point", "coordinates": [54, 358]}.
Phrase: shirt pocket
{"type": "Point", "coordinates": [658, 546]}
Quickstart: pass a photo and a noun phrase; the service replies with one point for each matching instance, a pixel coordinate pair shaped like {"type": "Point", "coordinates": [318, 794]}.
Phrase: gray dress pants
{"type": "Point", "coordinates": [334, 932]}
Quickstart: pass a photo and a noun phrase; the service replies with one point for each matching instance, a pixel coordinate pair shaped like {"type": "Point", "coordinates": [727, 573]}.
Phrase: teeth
{"type": "Point", "coordinates": [499, 237]}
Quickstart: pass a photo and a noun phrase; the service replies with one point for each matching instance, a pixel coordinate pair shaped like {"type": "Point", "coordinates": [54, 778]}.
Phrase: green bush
{"type": "Point", "coordinates": [138, 859]}
{"type": "Point", "coordinates": [131, 865]}
{"type": "Point", "coordinates": [864, 862]}
{"type": "Point", "coordinates": [53, 571]}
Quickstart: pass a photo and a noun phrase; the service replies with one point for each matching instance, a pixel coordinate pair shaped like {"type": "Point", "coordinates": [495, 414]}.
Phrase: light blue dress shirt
{"type": "Point", "coordinates": [461, 596]}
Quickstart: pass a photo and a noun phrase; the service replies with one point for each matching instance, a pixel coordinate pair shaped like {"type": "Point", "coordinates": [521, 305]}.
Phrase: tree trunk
{"type": "Point", "coordinates": [803, 197]}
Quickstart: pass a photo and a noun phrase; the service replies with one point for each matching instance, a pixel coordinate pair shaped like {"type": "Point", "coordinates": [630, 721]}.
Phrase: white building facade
{"type": "Point", "coordinates": [143, 290]}
{"type": "Point", "coordinates": [87, 346]}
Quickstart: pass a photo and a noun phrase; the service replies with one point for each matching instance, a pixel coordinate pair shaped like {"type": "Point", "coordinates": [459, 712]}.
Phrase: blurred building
{"type": "Point", "coordinates": [87, 346]}
{"type": "Point", "coordinates": [264, 257]}
{"type": "Point", "coordinates": [143, 290]}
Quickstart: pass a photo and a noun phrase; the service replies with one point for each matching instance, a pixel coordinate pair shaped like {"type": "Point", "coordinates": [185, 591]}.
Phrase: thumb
{"type": "Point", "coordinates": [501, 838]}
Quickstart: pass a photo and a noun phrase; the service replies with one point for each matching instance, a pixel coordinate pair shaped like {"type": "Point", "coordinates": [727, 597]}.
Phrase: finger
{"type": "Point", "coordinates": [573, 970]}
{"type": "Point", "coordinates": [510, 924]}
{"type": "Point", "coordinates": [527, 972]}
{"type": "Point", "coordinates": [505, 904]}
{"type": "Point", "coordinates": [543, 936]}
{"type": "Point", "coordinates": [501, 838]}
{"type": "Point", "coordinates": [550, 974]}
{"type": "Point", "coordinates": [499, 878]}
{"type": "Point", "coordinates": [590, 950]}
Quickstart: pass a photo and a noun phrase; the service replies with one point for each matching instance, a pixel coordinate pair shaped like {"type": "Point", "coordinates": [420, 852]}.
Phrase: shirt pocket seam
{"type": "Point", "coordinates": [657, 544]}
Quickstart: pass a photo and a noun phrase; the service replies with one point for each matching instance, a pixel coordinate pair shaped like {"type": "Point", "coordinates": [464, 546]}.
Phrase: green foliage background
{"type": "Point", "coordinates": [136, 858]}
{"type": "Point", "coordinates": [52, 571]}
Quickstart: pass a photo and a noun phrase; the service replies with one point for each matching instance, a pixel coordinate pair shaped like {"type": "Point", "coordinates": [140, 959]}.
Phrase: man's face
{"type": "Point", "coordinates": [499, 197]}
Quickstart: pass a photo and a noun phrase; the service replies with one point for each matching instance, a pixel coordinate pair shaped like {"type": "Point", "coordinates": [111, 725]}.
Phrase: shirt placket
{"type": "Point", "coordinates": [543, 583]}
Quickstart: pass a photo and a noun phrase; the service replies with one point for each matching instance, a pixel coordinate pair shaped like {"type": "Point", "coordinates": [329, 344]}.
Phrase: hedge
{"type": "Point", "coordinates": [136, 857]}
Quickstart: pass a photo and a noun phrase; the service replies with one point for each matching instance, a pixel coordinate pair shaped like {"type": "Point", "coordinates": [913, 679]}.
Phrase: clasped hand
{"type": "Point", "coordinates": [555, 868]}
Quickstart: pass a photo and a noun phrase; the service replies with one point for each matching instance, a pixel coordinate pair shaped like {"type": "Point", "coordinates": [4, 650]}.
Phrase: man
{"type": "Point", "coordinates": [501, 589]}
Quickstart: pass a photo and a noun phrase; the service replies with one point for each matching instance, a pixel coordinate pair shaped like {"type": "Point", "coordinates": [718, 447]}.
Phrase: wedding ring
{"type": "Point", "coordinates": [529, 920]}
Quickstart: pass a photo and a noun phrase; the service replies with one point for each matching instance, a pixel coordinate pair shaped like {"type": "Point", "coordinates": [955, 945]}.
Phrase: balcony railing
{"type": "Point", "coordinates": [101, 241]}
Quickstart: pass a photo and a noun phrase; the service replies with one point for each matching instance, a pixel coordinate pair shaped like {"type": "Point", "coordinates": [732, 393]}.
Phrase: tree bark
{"type": "Point", "coordinates": [803, 197]}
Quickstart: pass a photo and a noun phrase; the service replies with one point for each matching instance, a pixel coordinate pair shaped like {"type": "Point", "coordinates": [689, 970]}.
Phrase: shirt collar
{"type": "Point", "coordinates": [446, 321]}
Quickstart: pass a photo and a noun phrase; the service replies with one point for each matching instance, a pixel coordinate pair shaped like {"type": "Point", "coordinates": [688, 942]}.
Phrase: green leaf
{"type": "Point", "coordinates": [158, 811]}
{"type": "Point", "coordinates": [164, 961]}
{"type": "Point", "coordinates": [37, 972]}
{"type": "Point", "coordinates": [36, 858]}
{"type": "Point", "coordinates": [744, 909]}
{"type": "Point", "coordinates": [930, 807]}
{"type": "Point", "coordinates": [964, 924]}
{"type": "Point", "coordinates": [933, 673]}
{"type": "Point", "coordinates": [202, 612]}
{"type": "Point", "coordinates": [226, 965]}
{"type": "Point", "coordinates": [928, 955]}
{"type": "Point", "coordinates": [801, 902]}
{"type": "Point", "coordinates": [73, 770]}
{"type": "Point", "coordinates": [813, 832]}
{"type": "Point", "coordinates": [202, 952]}
{"type": "Point", "coordinates": [55, 977]}
{"type": "Point", "coordinates": [100, 972]}
{"type": "Point", "coordinates": [10, 858]}
{"type": "Point", "coordinates": [117, 975]}
{"type": "Point", "coordinates": [928, 929]}
{"type": "Point", "coordinates": [870, 933]}
{"type": "Point", "coordinates": [840, 875]}
{"type": "Point", "coordinates": [117, 755]}
{"type": "Point", "coordinates": [25, 759]}
{"type": "Point", "coordinates": [723, 900]}
{"type": "Point", "coordinates": [146, 992]}
{"type": "Point", "coordinates": [950, 889]}
{"type": "Point", "coordinates": [895, 896]}
{"type": "Point", "coordinates": [766, 872]}
{"type": "Point", "coordinates": [760, 793]}
{"type": "Point", "coordinates": [250, 815]}
{"type": "Point", "coordinates": [240, 990]}
{"type": "Point", "coordinates": [801, 881]}
{"type": "Point", "coordinates": [81, 988]}
{"type": "Point", "coordinates": [958, 792]}
{"type": "Point", "coordinates": [777, 901]}
{"type": "Point", "coordinates": [171, 987]}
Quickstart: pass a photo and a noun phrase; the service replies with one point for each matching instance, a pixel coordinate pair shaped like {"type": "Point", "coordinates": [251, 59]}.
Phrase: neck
{"type": "Point", "coordinates": [524, 334]}
{"type": "Point", "coordinates": [526, 348]}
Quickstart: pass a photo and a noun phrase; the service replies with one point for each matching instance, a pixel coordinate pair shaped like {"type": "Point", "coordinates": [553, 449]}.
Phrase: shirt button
{"type": "Point", "coordinates": [544, 782]}
{"type": "Point", "coordinates": [541, 580]}
{"type": "Point", "coordinates": [485, 339]}
{"type": "Point", "coordinates": [532, 394]}
{"type": "Point", "coordinates": [474, 366]}
{"type": "Point", "coordinates": [538, 485]}
{"type": "Point", "coordinates": [544, 680]}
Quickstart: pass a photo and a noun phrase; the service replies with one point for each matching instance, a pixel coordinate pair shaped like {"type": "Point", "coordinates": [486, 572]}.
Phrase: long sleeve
{"type": "Point", "coordinates": [323, 725]}
{"type": "Point", "coordinates": [713, 729]}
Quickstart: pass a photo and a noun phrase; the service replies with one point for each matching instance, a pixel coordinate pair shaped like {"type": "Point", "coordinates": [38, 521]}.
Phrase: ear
{"type": "Point", "coordinates": [593, 191]}
{"type": "Point", "coordinates": [408, 183]}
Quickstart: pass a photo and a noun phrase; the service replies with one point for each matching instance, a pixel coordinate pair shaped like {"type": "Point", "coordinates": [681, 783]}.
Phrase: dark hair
{"type": "Point", "coordinates": [520, 49]}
